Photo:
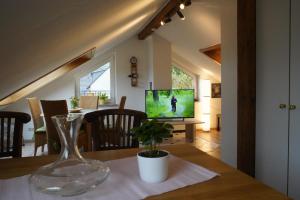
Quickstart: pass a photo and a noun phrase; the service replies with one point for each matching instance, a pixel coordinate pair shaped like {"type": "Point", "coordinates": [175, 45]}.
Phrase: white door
{"type": "Point", "coordinates": [272, 89]}
{"type": "Point", "coordinates": [294, 137]}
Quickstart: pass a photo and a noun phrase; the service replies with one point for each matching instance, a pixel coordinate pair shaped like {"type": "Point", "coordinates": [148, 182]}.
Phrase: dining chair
{"type": "Point", "coordinates": [122, 102]}
{"type": "Point", "coordinates": [121, 107]}
{"type": "Point", "coordinates": [40, 136]}
{"type": "Point", "coordinates": [58, 107]}
{"type": "Point", "coordinates": [88, 102]}
{"type": "Point", "coordinates": [107, 134]}
{"type": "Point", "coordinates": [52, 108]}
{"type": "Point", "coordinates": [11, 131]}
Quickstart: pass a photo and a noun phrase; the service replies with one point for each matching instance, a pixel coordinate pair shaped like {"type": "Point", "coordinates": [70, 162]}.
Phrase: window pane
{"type": "Point", "coordinates": [96, 81]}
{"type": "Point", "coordinates": [181, 80]}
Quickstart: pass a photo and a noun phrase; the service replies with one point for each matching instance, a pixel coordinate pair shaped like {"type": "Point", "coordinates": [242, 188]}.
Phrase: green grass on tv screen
{"type": "Point", "coordinates": [169, 103]}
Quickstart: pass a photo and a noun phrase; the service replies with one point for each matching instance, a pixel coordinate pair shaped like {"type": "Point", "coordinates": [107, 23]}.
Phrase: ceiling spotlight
{"type": "Point", "coordinates": [180, 15]}
{"type": "Point", "coordinates": [188, 3]}
{"type": "Point", "coordinates": [167, 20]}
{"type": "Point", "coordinates": [181, 6]}
{"type": "Point", "coordinates": [162, 22]}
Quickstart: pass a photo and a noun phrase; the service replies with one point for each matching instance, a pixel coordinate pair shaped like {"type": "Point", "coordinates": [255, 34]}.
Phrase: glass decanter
{"type": "Point", "coordinates": [71, 174]}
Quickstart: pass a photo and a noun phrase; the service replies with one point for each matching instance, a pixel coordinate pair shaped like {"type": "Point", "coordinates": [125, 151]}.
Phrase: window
{"type": "Point", "coordinates": [181, 80]}
{"type": "Point", "coordinates": [97, 81]}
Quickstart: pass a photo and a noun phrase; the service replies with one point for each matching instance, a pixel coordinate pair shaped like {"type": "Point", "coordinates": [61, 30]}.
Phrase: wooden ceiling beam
{"type": "Point", "coordinates": [214, 52]}
{"type": "Point", "coordinates": [169, 9]}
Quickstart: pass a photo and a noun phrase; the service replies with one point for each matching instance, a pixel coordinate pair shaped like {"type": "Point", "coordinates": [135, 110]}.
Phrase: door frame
{"type": "Point", "coordinates": [246, 85]}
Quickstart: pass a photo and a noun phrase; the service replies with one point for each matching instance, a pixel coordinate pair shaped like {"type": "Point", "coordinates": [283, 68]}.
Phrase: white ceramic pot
{"type": "Point", "coordinates": [153, 170]}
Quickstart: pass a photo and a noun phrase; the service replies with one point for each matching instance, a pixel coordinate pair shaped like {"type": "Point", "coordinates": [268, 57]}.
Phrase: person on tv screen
{"type": "Point", "coordinates": [173, 103]}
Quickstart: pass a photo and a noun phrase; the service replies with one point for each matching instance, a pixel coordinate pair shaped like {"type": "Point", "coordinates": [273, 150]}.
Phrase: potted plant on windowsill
{"type": "Point", "coordinates": [153, 162]}
{"type": "Point", "coordinates": [74, 102]}
{"type": "Point", "coordinates": [102, 98]}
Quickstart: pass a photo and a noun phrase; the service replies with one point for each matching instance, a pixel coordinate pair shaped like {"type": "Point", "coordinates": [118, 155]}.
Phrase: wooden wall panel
{"type": "Point", "coordinates": [246, 33]}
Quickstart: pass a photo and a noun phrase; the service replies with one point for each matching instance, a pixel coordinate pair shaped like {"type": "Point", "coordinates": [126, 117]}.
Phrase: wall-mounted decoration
{"type": "Point", "coordinates": [216, 90]}
{"type": "Point", "coordinates": [134, 74]}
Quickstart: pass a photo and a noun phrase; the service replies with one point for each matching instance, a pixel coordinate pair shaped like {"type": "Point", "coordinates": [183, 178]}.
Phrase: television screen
{"type": "Point", "coordinates": [176, 103]}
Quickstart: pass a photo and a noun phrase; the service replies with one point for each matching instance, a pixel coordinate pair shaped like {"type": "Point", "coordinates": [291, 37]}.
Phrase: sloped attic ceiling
{"type": "Point", "coordinates": [38, 36]}
{"type": "Point", "coordinates": [200, 29]}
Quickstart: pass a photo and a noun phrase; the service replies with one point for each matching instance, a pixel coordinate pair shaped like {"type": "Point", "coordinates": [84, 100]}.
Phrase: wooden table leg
{"type": "Point", "coordinates": [190, 131]}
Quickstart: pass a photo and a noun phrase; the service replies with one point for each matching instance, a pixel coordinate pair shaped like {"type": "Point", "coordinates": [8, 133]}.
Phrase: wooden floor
{"type": "Point", "coordinates": [214, 138]}
{"type": "Point", "coordinates": [208, 142]}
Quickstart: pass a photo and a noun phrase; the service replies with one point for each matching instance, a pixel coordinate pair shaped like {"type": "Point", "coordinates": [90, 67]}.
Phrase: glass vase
{"type": "Point", "coordinates": [71, 174]}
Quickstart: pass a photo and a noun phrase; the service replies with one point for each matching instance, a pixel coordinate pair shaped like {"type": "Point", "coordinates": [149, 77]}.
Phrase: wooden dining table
{"type": "Point", "coordinates": [231, 184]}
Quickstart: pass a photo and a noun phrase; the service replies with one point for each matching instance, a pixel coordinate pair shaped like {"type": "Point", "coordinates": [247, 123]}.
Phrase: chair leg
{"type": "Point", "coordinates": [43, 148]}
{"type": "Point", "coordinates": [35, 149]}
{"type": "Point", "coordinates": [36, 143]}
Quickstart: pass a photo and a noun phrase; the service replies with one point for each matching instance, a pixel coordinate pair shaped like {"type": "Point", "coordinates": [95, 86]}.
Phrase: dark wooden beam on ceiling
{"type": "Point", "coordinates": [214, 52]}
{"type": "Point", "coordinates": [169, 9]}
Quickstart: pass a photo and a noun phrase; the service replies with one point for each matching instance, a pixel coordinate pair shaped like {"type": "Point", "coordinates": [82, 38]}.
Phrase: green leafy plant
{"type": "Point", "coordinates": [151, 133]}
{"type": "Point", "coordinates": [74, 102]}
{"type": "Point", "coordinates": [103, 96]}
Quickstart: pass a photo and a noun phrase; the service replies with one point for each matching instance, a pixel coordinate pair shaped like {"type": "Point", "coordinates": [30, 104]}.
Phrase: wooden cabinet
{"type": "Point", "coordinates": [278, 90]}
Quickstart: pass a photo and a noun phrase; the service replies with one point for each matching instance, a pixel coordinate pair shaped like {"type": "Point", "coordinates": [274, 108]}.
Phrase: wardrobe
{"type": "Point", "coordinates": [278, 95]}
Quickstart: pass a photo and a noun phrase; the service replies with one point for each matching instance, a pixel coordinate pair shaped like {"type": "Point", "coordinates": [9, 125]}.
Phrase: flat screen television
{"type": "Point", "coordinates": [175, 103]}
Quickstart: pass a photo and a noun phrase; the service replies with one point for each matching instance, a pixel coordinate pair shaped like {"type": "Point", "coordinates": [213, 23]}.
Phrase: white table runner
{"type": "Point", "coordinates": [123, 183]}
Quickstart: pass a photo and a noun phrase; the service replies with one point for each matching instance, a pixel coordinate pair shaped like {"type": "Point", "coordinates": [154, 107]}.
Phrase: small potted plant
{"type": "Point", "coordinates": [153, 162]}
{"type": "Point", "coordinates": [102, 98]}
{"type": "Point", "coordinates": [74, 102]}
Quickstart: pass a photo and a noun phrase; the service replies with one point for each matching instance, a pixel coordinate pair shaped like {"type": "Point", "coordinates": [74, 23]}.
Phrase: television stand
{"type": "Point", "coordinates": [171, 120]}
{"type": "Point", "coordinates": [190, 128]}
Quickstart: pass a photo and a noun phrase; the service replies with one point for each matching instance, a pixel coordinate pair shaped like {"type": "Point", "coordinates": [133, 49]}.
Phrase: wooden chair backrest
{"type": "Point", "coordinates": [35, 110]}
{"type": "Point", "coordinates": [52, 108]}
{"type": "Point", "coordinates": [11, 131]}
{"type": "Point", "coordinates": [107, 134]}
{"type": "Point", "coordinates": [88, 102]}
{"type": "Point", "coordinates": [122, 102]}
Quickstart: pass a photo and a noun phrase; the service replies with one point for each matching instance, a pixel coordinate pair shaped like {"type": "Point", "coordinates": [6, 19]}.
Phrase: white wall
{"type": "Point", "coordinates": [135, 95]}
{"type": "Point", "coordinates": [215, 108]}
{"type": "Point", "coordinates": [229, 82]}
{"type": "Point", "coordinates": [160, 61]}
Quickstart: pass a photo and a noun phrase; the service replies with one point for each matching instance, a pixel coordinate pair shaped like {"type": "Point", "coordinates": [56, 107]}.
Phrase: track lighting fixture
{"type": "Point", "coordinates": [167, 20]}
{"type": "Point", "coordinates": [179, 13]}
{"type": "Point", "coordinates": [188, 3]}
{"type": "Point", "coordinates": [167, 17]}
{"type": "Point", "coordinates": [181, 6]}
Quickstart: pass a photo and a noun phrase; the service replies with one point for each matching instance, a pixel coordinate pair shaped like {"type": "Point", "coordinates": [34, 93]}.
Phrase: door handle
{"type": "Point", "coordinates": [282, 106]}
{"type": "Point", "coordinates": [292, 107]}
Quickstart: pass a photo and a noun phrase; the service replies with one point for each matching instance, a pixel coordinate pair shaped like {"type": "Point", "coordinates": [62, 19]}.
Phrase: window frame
{"type": "Point", "coordinates": [94, 66]}
{"type": "Point", "coordinates": [194, 77]}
